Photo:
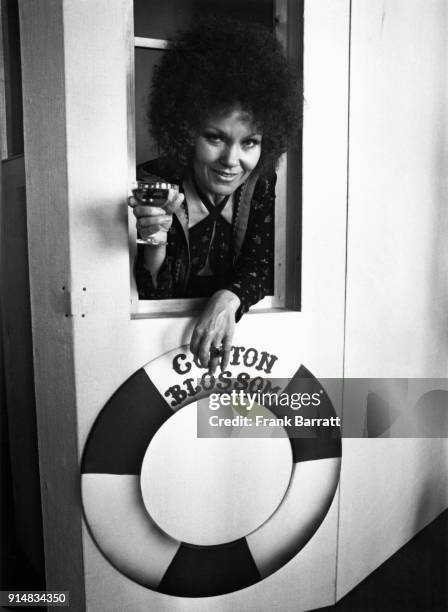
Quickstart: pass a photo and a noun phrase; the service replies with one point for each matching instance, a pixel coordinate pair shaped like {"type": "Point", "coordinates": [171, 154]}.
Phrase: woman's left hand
{"type": "Point", "coordinates": [214, 329]}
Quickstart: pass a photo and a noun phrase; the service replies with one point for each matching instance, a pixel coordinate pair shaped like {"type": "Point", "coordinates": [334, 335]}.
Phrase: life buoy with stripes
{"type": "Point", "coordinates": [119, 519]}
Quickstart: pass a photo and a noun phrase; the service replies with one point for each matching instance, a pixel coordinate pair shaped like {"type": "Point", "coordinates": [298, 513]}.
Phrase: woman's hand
{"type": "Point", "coordinates": [214, 329]}
{"type": "Point", "coordinates": [152, 219]}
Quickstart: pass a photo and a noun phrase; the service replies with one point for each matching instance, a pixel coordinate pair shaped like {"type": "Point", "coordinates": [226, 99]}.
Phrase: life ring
{"type": "Point", "coordinates": [128, 536]}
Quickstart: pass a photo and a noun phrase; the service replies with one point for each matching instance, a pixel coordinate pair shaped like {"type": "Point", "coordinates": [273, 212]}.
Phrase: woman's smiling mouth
{"type": "Point", "coordinates": [225, 176]}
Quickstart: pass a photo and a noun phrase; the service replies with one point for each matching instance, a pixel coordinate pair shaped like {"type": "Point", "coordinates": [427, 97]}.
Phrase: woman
{"type": "Point", "coordinates": [223, 105]}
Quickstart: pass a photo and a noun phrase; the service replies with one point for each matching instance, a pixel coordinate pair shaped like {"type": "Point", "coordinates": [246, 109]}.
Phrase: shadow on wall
{"type": "Point", "coordinates": [22, 541]}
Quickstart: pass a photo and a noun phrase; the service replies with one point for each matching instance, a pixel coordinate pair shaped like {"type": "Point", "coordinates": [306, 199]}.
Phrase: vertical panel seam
{"type": "Point", "coordinates": [345, 284]}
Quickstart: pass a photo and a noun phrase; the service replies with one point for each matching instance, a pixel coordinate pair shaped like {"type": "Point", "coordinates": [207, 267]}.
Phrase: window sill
{"type": "Point", "coordinates": [159, 309]}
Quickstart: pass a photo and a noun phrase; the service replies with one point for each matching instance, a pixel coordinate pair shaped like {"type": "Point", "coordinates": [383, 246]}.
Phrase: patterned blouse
{"type": "Point", "coordinates": [213, 265]}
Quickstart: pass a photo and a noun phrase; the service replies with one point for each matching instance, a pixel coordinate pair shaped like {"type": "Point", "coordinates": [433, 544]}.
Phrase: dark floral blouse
{"type": "Point", "coordinates": [211, 246]}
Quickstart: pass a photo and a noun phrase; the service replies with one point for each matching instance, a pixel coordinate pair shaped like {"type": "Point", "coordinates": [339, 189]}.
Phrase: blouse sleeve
{"type": "Point", "coordinates": [254, 269]}
{"type": "Point", "coordinates": [145, 285]}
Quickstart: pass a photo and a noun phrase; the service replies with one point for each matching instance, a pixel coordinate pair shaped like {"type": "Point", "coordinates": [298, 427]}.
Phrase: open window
{"type": "Point", "coordinates": [155, 21]}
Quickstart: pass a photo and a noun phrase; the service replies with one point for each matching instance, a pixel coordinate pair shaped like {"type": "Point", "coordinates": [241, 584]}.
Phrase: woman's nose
{"type": "Point", "coordinates": [230, 156]}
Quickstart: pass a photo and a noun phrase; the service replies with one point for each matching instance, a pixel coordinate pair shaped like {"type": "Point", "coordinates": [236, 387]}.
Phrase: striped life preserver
{"type": "Point", "coordinates": [132, 541]}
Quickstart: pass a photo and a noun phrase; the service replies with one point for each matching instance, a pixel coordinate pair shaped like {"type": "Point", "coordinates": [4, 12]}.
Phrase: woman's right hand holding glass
{"type": "Point", "coordinates": [154, 218]}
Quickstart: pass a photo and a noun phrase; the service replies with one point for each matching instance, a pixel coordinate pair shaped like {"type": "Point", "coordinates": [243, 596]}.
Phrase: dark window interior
{"type": "Point", "coordinates": [162, 18]}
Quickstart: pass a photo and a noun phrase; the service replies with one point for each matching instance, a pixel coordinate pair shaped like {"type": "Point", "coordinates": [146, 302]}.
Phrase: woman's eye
{"type": "Point", "coordinates": [251, 143]}
{"type": "Point", "coordinates": [213, 138]}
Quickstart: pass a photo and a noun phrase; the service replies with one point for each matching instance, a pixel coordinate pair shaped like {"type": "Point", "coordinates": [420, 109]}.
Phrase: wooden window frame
{"type": "Point", "coordinates": [3, 123]}
{"type": "Point", "coordinates": [287, 252]}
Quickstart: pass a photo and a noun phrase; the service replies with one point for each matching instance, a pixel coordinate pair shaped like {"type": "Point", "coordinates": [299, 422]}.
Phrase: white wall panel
{"type": "Point", "coordinates": [398, 221]}
{"type": "Point", "coordinates": [397, 270]}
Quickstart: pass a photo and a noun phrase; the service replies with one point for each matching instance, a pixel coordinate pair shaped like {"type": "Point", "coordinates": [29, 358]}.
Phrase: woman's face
{"type": "Point", "coordinates": [226, 151]}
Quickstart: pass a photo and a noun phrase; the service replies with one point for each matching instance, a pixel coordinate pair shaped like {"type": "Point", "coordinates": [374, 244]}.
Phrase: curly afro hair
{"type": "Point", "coordinates": [214, 66]}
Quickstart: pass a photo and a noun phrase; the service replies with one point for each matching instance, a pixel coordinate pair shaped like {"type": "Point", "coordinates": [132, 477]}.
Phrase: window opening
{"type": "Point", "coordinates": [155, 21]}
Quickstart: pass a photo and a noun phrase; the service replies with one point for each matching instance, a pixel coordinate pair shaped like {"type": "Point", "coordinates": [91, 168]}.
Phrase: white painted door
{"type": "Point", "coordinates": [76, 69]}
